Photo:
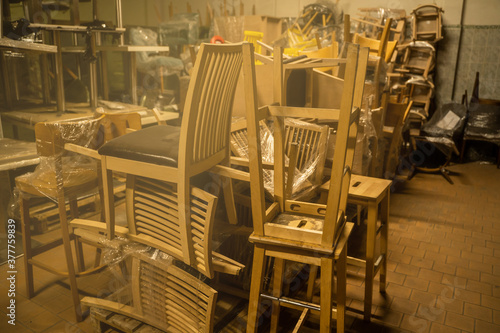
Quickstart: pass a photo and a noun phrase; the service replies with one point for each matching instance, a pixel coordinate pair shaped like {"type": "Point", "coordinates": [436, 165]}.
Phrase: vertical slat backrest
{"type": "Point", "coordinates": [311, 140]}
{"type": "Point", "coordinates": [170, 298]}
{"type": "Point", "coordinates": [154, 220]}
{"type": "Point", "coordinates": [208, 108]}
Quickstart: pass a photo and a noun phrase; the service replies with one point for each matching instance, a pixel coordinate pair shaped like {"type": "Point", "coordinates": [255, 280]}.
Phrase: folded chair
{"type": "Point", "coordinates": [162, 298]}
{"type": "Point", "coordinates": [164, 209]}
{"type": "Point", "coordinates": [64, 177]}
{"type": "Point", "coordinates": [300, 231]}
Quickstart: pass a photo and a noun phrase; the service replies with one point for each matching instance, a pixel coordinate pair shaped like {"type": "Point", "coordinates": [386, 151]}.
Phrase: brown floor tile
{"type": "Point", "coordinates": [484, 327]}
{"type": "Point", "coordinates": [416, 283]}
{"type": "Point", "coordinates": [415, 324]}
{"type": "Point", "coordinates": [430, 275]}
{"type": "Point", "coordinates": [478, 312]}
{"type": "Point", "coordinates": [424, 298]}
{"type": "Point", "coordinates": [459, 321]}
{"type": "Point", "coordinates": [467, 296]}
{"type": "Point", "coordinates": [438, 328]}
{"type": "Point", "coordinates": [404, 305]}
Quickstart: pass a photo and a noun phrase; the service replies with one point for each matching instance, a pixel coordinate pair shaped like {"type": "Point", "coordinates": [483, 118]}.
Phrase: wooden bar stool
{"type": "Point", "coordinates": [372, 193]}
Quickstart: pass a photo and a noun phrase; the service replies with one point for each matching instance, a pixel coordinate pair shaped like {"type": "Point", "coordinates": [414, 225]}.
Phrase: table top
{"type": "Point", "coordinates": [15, 154]}
{"type": "Point", "coordinates": [364, 188]}
{"type": "Point", "coordinates": [30, 116]}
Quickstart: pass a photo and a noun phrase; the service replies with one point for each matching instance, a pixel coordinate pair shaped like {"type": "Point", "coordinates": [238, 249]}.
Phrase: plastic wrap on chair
{"type": "Point", "coordinates": [147, 61]}
{"type": "Point", "coordinates": [309, 155]}
{"type": "Point", "coordinates": [60, 169]}
{"type": "Point", "coordinates": [448, 121]}
{"type": "Point", "coordinates": [483, 122]}
{"type": "Point", "coordinates": [182, 29]}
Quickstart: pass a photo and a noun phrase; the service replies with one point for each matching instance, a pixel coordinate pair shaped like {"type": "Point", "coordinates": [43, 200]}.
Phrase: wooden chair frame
{"type": "Point", "coordinates": [165, 297]}
{"type": "Point", "coordinates": [325, 248]}
{"type": "Point", "coordinates": [55, 140]}
{"type": "Point", "coordinates": [203, 144]}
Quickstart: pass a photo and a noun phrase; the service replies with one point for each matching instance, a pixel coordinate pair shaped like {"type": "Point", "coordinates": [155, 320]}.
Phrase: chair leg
{"type": "Point", "coordinates": [80, 260]}
{"type": "Point", "coordinates": [279, 268]}
{"type": "Point", "coordinates": [227, 188]}
{"type": "Point", "coordinates": [384, 236]}
{"type": "Point", "coordinates": [325, 317]}
{"type": "Point", "coordinates": [255, 288]}
{"type": "Point", "coordinates": [69, 258]}
{"type": "Point", "coordinates": [26, 231]}
{"type": "Point", "coordinates": [341, 289]}
{"type": "Point", "coordinates": [313, 273]}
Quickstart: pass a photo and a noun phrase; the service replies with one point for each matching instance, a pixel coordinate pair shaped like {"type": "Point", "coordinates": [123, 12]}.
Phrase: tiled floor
{"type": "Point", "coordinates": [444, 265]}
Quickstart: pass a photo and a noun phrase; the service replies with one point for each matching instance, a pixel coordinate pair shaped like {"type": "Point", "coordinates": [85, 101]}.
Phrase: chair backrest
{"type": "Point", "coordinates": [427, 23]}
{"type": "Point", "coordinates": [310, 139]}
{"type": "Point", "coordinates": [52, 136]}
{"type": "Point", "coordinates": [347, 116]}
{"type": "Point", "coordinates": [204, 138]}
{"type": "Point", "coordinates": [116, 124]}
{"type": "Point", "coordinates": [152, 214]}
{"type": "Point", "coordinates": [378, 47]}
{"type": "Point", "coordinates": [164, 296]}
{"type": "Point", "coordinates": [171, 299]}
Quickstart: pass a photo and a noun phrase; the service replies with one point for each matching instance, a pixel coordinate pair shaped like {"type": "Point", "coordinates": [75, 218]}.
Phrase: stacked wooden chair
{"type": "Point", "coordinates": [166, 208]}
{"type": "Point", "coordinates": [301, 231]}
{"type": "Point", "coordinates": [160, 298]}
{"type": "Point", "coordinates": [65, 177]}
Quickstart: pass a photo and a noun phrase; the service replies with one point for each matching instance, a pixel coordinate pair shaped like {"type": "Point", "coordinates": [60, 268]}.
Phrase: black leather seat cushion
{"type": "Point", "coordinates": [157, 145]}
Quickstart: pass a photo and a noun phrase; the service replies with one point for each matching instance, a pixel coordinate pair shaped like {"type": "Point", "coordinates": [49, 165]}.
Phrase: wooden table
{"type": "Point", "coordinates": [28, 117]}
{"type": "Point", "coordinates": [14, 154]}
{"type": "Point", "coordinates": [372, 193]}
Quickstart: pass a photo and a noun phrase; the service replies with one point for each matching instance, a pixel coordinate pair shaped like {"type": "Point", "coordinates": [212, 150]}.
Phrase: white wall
{"type": "Point", "coordinates": [149, 12]}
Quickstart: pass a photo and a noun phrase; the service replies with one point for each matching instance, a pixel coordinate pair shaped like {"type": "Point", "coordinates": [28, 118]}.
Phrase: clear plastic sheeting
{"type": "Point", "coordinates": [59, 170]}
{"type": "Point", "coordinates": [148, 60]}
{"type": "Point", "coordinates": [116, 250]}
{"type": "Point", "coordinates": [231, 28]}
{"type": "Point", "coordinates": [182, 29]}
{"type": "Point", "coordinates": [16, 154]}
{"type": "Point", "coordinates": [483, 122]}
{"type": "Point", "coordinates": [309, 153]}
{"type": "Point", "coordinates": [447, 122]}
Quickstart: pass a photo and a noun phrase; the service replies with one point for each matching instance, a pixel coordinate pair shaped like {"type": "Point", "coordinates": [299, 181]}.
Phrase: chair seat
{"type": "Point", "coordinates": [43, 182]}
{"type": "Point", "coordinates": [302, 229]}
{"type": "Point", "coordinates": [157, 145]}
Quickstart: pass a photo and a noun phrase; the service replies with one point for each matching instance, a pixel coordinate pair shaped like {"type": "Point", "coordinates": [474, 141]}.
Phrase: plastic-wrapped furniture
{"type": "Point", "coordinates": [301, 231]}
{"type": "Point", "coordinates": [161, 161]}
{"type": "Point", "coordinates": [163, 298]}
{"type": "Point", "coordinates": [435, 146]}
{"type": "Point", "coordinates": [396, 116]}
{"type": "Point", "coordinates": [483, 122]}
{"type": "Point", "coordinates": [63, 176]}
{"type": "Point", "coordinates": [305, 150]}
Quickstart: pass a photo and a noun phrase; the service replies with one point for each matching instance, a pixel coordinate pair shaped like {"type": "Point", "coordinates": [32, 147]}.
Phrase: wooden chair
{"type": "Point", "coordinates": [378, 47]}
{"type": "Point", "coordinates": [299, 231]}
{"type": "Point", "coordinates": [305, 150]}
{"type": "Point", "coordinates": [418, 59]}
{"type": "Point", "coordinates": [62, 177]}
{"type": "Point", "coordinates": [427, 23]}
{"type": "Point", "coordinates": [396, 116]}
{"type": "Point", "coordinates": [160, 162]}
{"type": "Point", "coordinates": [162, 296]}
